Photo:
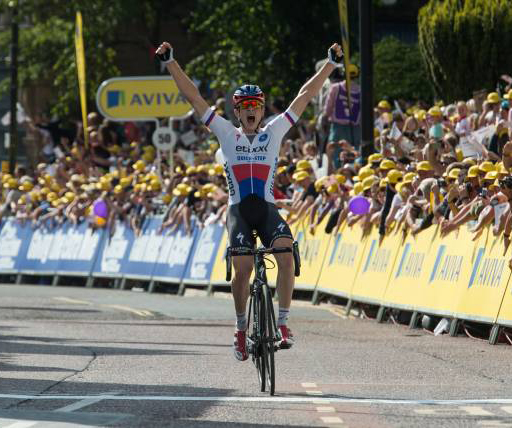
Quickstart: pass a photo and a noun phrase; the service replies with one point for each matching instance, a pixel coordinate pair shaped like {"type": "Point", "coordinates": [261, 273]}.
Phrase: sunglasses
{"type": "Point", "coordinates": [249, 104]}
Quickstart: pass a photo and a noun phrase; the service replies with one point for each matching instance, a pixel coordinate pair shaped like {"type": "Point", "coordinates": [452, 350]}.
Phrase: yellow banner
{"type": "Point", "coordinates": [313, 249]}
{"type": "Point", "coordinates": [487, 285]}
{"type": "Point", "coordinates": [342, 262]}
{"type": "Point", "coordinates": [376, 266]}
{"type": "Point", "coordinates": [141, 98]}
{"type": "Point", "coordinates": [80, 66]}
{"type": "Point", "coordinates": [342, 9]}
{"type": "Point", "coordinates": [410, 273]}
{"type": "Point", "coordinates": [219, 267]}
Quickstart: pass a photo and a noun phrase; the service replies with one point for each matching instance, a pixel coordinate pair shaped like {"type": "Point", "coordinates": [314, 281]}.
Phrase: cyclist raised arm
{"type": "Point", "coordinates": [312, 87]}
{"type": "Point", "coordinates": [185, 85]}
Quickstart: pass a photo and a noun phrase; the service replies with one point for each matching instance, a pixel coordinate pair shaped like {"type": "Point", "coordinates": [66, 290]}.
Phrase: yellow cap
{"type": "Point", "coordinates": [454, 173]}
{"type": "Point", "coordinates": [103, 185]}
{"type": "Point", "coordinates": [303, 165]}
{"type": "Point", "coordinates": [435, 111]}
{"type": "Point", "coordinates": [502, 169]}
{"type": "Point", "coordinates": [148, 157]}
{"type": "Point", "coordinates": [191, 170]}
{"type": "Point", "coordinates": [387, 164]}
{"type": "Point", "coordinates": [365, 171]}
{"type": "Point", "coordinates": [11, 183]}
{"type": "Point", "coordinates": [508, 95]}
{"type": "Point", "coordinates": [383, 183]}
{"type": "Point", "coordinates": [52, 196]}
{"type": "Point", "coordinates": [140, 165]}
{"type": "Point", "coordinates": [218, 169]}
{"type": "Point", "coordinates": [469, 161]}
{"type": "Point", "coordinates": [6, 177]}
{"type": "Point", "coordinates": [394, 176]}
{"type": "Point", "coordinates": [114, 149]}
{"type": "Point", "coordinates": [319, 183]}
{"type": "Point", "coordinates": [70, 196]}
{"type": "Point", "coordinates": [491, 175]}
{"type": "Point", "coordinates": [281, 169]}
{"type": "Point", "coordinates": [118, 189]}
{"type": "Point", "coordinates": [473, 172]}
{"type": "Point", "coordinates": [493, 98]}
{"type": "Point", "coordinates": [300, 175]}
{"type": "Point", "coordinates": [424, 166]}
{"type": "Point", "coordinates": [409, 177]}
{"type": "Point", "coordinates": [166, 199]}
{"type": "Point", "coordinates": [487, 166]}
{"type": "Point", "coordinates": [333, 188]}
{"type": "Point", "coordinates": [376, 157]}
{"type": "Point", "coordinates": [353, 70]}
{"type": "Point", "coordinates": [368, 182]}
{"type": "Point", "coordinates": [340, 178]}
{"type": "Point", "coordinates": [26, 186]}
{"type": "Point", "coordinates": [495, 184]}
{"type": "Point", "coordinates": [384, 104]}
{"type": "Point", "coordinates": [358, 188]}
{"type": "Point", "coordinates": [420, 115]}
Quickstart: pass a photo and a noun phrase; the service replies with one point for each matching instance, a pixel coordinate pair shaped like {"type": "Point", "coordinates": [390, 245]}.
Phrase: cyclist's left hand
{"type": "Point", "coordinates": [335, 55]}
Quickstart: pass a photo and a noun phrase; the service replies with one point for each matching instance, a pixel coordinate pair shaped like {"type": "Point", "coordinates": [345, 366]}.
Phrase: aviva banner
{"type": "Point", "coordinates": [141, 98]}
{"type": "Point", "coordinates": [342, 262]}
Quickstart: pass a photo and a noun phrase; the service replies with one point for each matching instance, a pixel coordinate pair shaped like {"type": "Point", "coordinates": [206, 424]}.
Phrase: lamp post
{"type": "Point", "coordinates": [13, 128]}
{"type": "Point", "coordinates": [366, 46]}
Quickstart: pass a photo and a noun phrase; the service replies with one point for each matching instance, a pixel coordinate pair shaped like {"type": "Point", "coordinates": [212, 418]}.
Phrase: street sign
{"type": "Point", "coordinates": [164, 138]}
{"type": "Point", "coordinates": [141, 98]}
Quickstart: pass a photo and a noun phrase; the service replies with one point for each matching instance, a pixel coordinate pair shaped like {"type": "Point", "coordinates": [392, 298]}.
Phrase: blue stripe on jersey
{"type": "Point", "coordinates": [245, 188]}
{"type": "Point", "coordinates": [210, 119]}
{"type": "Point", "coordinates": [289, 117]}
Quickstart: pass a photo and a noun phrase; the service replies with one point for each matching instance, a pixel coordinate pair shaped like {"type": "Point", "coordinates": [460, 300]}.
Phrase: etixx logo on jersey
{"type": "Point", "coordinates": [255, 149]}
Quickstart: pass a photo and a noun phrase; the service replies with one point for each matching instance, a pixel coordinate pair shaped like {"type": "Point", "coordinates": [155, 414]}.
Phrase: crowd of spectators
{"type": "Point", "coordinates": [443, 165]}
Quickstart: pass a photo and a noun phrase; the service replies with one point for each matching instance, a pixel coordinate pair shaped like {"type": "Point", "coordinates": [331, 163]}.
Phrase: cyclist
{"type": "Point", "coordinates": [250, 153]}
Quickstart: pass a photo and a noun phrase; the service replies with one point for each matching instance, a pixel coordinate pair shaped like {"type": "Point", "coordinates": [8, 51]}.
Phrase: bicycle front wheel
{"type": "Point", "coordinates": [268, 341]}
{"type": "Point", "coordinates": [260, 350]}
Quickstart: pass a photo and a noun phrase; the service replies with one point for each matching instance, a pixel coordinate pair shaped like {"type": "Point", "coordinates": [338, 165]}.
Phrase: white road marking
{"type": "Point", "coordinates": [73, 301]}
{"type": "Point", "coordinates": [308, 385]}
{"type": "Point", "coordinates": [79, 404]}
{"type": "Point", "coordinates": [314, 392]}
{"type": "Point", "coordinates": [22, 424]}
{"type": "Point", "coordinates": [140, 312]}
{"type": "Point", "coordinates": [495, 423]}
{"type": "Point", "coordinates": [476, 411]}
{"type": "Point", "coordinates": [250, 399]}
{"type": "Point", "coordinates": [507, 409]}
{"type": "Point", "coordinates": [331, 420]}
{"type": "Point", "coordinates": [326, 409]}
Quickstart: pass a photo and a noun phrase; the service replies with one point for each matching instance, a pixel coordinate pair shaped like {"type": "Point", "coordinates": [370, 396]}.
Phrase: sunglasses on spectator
{"type": "Point", "coordinates": [249, 104]}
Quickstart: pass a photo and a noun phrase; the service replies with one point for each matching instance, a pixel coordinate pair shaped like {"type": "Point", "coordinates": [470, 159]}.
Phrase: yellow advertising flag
{"type": "Point", "coordinates": [342, 9]}
{"type": "Point", "coordinates": [80, 65]}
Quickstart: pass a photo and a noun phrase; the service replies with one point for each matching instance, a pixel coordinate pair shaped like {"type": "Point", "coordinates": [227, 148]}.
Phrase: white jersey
{"type": "Point", "coordinates": [250, 167]}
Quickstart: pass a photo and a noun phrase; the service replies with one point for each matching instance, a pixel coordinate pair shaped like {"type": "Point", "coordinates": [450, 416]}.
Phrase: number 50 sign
{"type": "Point", "coordinates": [164, 138]}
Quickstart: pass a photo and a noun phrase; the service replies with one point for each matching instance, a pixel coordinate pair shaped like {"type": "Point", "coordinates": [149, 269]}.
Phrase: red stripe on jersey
{"type": "Point", "coordinates": [243, 171]}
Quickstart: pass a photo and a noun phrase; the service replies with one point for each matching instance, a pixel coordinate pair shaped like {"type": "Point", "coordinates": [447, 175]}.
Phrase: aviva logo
{"type": "Point", "coordinates": [115, 99]}
{"type": "Point", "coordinates": [378, 259]}
{"type": "Point", "coordinates": [309, 248]}
{"type": "Point", "coordinates": [446, 267]}
{"type": "Point", "coordinates": [343, 253]}
{"type": "Point", "coordinates": [486, 271]}
{"type": "Point", "coordinates": [411, 263]}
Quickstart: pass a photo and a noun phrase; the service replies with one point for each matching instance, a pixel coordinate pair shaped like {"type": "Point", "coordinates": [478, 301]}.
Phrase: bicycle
{"type": "Point", "coordinates": [262, 342]}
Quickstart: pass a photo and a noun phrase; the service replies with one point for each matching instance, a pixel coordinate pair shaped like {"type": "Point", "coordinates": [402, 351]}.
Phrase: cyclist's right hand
{"type": "Point", "coordinates": [164, 53]}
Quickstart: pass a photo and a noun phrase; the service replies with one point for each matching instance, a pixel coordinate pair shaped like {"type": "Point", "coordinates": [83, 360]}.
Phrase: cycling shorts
{"type": "Point", "coordinates": [255, 214]}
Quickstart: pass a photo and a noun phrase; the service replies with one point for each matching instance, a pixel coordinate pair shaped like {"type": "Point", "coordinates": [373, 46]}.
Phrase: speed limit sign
{"type": "Point", "coordinates": [164, 138]}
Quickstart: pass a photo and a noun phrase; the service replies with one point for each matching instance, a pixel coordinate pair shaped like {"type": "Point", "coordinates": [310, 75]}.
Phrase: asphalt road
{"type": "Point", "coordinates": [97, 357]}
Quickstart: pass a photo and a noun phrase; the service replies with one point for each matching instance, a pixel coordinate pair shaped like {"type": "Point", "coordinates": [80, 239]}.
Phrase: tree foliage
{"type": "Point", "coordinates": [466, 45]}
{"type": "Point", "coordinates": [272, 43]}
{"type": "Point", "coordinates": [399, 71]}
{"type": "Point", "coordinates": [46, 44]}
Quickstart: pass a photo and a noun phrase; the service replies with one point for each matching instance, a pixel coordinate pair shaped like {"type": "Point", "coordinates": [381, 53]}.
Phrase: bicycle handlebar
{"type": "Point", "coordinates": [234, 252]}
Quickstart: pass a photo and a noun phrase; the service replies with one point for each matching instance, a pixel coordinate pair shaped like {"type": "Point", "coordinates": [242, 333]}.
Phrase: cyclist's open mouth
{"type": "Point", "coordinates": [251, 119]}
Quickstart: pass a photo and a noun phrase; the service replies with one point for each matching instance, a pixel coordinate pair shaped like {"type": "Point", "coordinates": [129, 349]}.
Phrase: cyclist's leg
{"type": "Point", "coordinates": [240, 236]}
{"type": "Point", "coordinates": [276, 233]}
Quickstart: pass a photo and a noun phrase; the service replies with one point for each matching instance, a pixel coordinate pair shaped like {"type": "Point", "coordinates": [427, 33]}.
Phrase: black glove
{"type": "Point", "coordinates": [166, 57]}
{"type": "Point", "coordinates": [334, 59]}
